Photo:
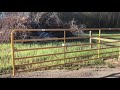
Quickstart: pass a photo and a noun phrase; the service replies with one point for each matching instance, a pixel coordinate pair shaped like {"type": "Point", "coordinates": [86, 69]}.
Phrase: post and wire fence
{"type": "Point", "coordinates": [63, 50]}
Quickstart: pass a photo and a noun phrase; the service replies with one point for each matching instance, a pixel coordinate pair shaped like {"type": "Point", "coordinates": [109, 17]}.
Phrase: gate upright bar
{"type": "Point", "coordinates": [12, 51]}
{"type": "Point", "coordinates": [64, 45]}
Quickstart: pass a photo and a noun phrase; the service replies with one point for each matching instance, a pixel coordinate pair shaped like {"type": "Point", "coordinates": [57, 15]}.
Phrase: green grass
{"type": "Point", "coordinates": [6, 61]}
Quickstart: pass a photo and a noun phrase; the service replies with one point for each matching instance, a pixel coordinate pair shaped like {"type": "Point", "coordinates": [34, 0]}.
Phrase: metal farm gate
{"type": "Point", "coordinates": [46, 54]}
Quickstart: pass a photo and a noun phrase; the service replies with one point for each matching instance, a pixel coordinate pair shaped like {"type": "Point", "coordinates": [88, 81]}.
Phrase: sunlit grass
{"type": "Point", "coordinates": [6, 60]}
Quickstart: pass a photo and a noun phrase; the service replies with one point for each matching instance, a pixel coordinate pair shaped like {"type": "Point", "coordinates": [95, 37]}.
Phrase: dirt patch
{"type": "Point", "coordinates": [81, 73]}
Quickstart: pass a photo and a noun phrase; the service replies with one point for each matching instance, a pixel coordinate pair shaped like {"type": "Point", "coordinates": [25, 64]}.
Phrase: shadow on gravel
{"type": "Point", "coordinates": [114, 75]}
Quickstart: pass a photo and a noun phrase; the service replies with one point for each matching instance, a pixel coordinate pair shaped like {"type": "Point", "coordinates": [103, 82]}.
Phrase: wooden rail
{"type": "Point", "coordinates": [107, 40]}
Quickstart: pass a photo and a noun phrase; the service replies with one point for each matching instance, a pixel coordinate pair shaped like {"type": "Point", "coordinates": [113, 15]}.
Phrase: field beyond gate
{"type": "Point", "coordinates": [40, 53]}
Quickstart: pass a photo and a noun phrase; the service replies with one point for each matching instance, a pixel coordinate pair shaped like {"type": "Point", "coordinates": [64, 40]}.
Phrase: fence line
{"type": "Point", "coordinates": [65, 46]}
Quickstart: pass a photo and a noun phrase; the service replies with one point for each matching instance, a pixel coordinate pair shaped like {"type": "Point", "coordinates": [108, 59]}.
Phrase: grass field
{"type": "Point", "coordinates": [6, 61]}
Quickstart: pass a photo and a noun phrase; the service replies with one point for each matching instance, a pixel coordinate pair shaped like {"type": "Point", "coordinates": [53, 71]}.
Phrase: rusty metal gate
{"type": "Point", "coordinates": [48, 55]}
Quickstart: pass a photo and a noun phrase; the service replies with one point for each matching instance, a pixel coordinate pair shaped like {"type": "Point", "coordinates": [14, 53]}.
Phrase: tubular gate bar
{"type": "Point", "coordinates": [65, 52]}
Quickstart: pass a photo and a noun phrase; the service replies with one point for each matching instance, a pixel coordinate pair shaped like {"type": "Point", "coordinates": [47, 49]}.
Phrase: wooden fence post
{"type": "Point", "coordinates": [99, 43]}
{"type": "Point", "coordinates": [90, 35]}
